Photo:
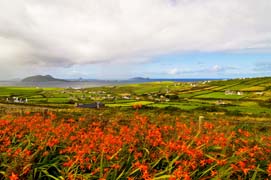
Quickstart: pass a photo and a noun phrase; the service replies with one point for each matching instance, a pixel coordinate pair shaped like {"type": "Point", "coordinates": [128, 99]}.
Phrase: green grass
{"type": "Point", "coordinates": [254, 88]}
{"type": "Point", "coordinates": [26, 91]}
{"type": "Point", "coordinates": [190, 98]}
{"type": "Point", "coordinates": [48, 100]}
{"type": "Point", "coordinates": [180, 106]}
{"type": "Point", "coordinates": [37, 100]}
{"type": "Point", "coordinates": [256, 110]}
{"type": "Point", "coordinates": [58, 100]}
{"type": "Point", "coordinates": [220, 95]}
{"type": "Point", "coordinates": [124, 101]}
{"type": "Point", "coordinates": [18, 91]}
{"type": "Point", "coordinates": [145, 88]}
{"type": "Point", "coordinates": [130, 104]}
{"type": "Point", "coordinates": [193, 94]}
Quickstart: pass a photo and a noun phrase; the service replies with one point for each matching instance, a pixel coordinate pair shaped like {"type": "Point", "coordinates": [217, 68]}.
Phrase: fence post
{"type": "Point", "coordinates": [201, 118]}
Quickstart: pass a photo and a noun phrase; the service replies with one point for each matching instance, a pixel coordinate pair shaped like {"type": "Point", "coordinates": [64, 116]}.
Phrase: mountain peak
{"type": "Point", "coordinates": [41, 78]}
{"type": "Point", "coordinates": [140, 78]}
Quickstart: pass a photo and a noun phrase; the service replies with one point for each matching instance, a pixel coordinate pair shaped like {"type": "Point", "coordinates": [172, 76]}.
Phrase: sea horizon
{"type": "Point", "coordinates": [97, 83]}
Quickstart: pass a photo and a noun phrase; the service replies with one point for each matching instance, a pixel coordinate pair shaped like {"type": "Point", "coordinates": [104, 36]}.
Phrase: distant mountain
{"type": "Point", "coordinates": [40, 78]}
{"type": "Point", "coordinates": [140, 79]}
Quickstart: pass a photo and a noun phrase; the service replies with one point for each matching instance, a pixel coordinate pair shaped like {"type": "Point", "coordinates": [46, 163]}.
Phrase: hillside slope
{"type": "Point", "coordinates": [40, 78]}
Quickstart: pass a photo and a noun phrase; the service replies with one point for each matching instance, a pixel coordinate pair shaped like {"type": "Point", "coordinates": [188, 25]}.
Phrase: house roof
{"type": "Point", "coordinates": [92, 105]}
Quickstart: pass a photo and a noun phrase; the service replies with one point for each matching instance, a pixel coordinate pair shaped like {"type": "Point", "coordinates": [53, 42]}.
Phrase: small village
{"type": "Point", "coordinates": [15, 99]}
{"type": "Point", "coordinates": [162, 94]}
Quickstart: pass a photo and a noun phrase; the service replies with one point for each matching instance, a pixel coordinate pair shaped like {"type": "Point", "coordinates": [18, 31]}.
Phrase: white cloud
{"type": "Point", "coordinates": [67, 32]}
{"type": "Point", "coordinates": [216, 68]}
{"type": "Point", "coordinates": [173, 71]}
{"type": "Point", "coordinates": [197, 71]}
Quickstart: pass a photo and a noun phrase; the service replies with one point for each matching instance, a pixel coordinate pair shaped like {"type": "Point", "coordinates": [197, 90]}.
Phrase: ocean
{"type": "Point", "coordinates": [95, 83]}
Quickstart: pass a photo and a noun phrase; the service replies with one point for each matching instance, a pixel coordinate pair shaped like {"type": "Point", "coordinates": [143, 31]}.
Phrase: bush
{"type": "Point", "coordinates": [266, 104]}
{"type": "Point", "coordinates": [234, 113]}
{"type": "Point", "coordinates": [210, 108]}
{"type": "Point", "coordinates": [72, 101]}
{"type": "Point", "coordinates": [171, 108]}
{"type": "Point", "coordinates": [172, 97]}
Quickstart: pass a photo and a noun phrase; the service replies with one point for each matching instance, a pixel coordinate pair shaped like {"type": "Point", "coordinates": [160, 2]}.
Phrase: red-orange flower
{"type": "Point", "coordinates": [269, 170]}
{"type": "Point", "coordinates": [13, 176]}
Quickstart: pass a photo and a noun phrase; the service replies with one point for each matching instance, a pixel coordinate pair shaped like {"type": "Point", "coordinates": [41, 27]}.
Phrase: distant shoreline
{"type": "Point", "coordinates": [95, 83]}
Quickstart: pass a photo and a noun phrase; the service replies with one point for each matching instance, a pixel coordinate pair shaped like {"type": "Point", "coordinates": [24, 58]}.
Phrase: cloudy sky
{"type": "Point", "coordinates": [119, 39]}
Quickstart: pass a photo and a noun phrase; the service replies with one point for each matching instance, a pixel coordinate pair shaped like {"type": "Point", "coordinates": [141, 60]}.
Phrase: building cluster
{"type": "Point", "coordinates": [230, 92]}
{"type": "Point", "coordinates": [15, 99]}
{"type": "Point", "coordinates": [96, 105]}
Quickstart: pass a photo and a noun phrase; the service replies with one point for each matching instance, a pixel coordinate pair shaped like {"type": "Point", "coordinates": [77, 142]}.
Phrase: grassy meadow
{"type": "Point", "coordinates": [155, 130]}
{"type": "Point", "coordinates": [249, 96]}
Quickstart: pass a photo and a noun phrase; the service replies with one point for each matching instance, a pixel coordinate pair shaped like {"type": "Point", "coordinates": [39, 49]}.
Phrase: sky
{"type": "Point", "coordinates": [121, 39]}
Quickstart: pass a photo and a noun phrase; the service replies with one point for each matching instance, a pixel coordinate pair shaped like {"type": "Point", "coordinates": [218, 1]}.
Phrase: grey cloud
{"type": "Point", "coordinates": [67, 32]}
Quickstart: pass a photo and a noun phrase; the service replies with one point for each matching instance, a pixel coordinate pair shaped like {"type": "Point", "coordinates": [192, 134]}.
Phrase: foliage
{"type": "Point", "coordinates": [47, 147]}
{"type": "Point", "coordinates": [234, 113]}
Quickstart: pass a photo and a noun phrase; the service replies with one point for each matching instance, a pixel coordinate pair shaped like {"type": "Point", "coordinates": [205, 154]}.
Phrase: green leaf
{"type": "Point", "coordinates": [121, 174]}
{"type": "Point", "coordinates": [114, 155]}
{"type": "Point", "coordinates": [208, 170]}
{"type": "Point", "coordinates": [157, 162]}
{"type": "Point", "coordinates": [148, 152]}
{"type": "Point", "coordinates": [49, 175]}
{"type": "Point", "coordinates": [3, 172]}
{"type": "Point", "coordinates": [255, 173]}
{"type": "Point", "coordinates": [162, 177]}
{"type": "Point", "coordinates": [101, 165]}
{"type": "Point", "coordinates": [136, 170]}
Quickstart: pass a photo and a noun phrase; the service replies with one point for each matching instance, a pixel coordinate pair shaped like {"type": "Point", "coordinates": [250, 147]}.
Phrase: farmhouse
{"type": "Point", "coordinates": [125, 95]}
{"type": "Point", "coordinates": [16, 100]}
{"type": "Point", "coordinates": [96, 105]}
{"type": "Point", "coordinates": [220, 102]}
{"type": "Point", "coordinates": [259, 93]}
{"type": "Point", "coordinates": [229, 92]}
{"type": "Point", "coordinates": [193, 84]}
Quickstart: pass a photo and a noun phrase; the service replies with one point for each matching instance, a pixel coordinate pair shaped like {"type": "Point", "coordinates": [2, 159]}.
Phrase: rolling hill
{"type": "Point", "coordinates": [40, 78]}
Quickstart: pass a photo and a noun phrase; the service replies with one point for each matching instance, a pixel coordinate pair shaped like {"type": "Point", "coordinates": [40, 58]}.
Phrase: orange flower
{"type": "Point", "coordinates": [27, 152]}
{"type": "Point", "coordinates": [68, 164]}
{"type": "Point", "coordinates": [213, 173]}
{"type": "Point", "coordinates": [13, 176]}
{"type": "Point", "coordinates": [243, 167]}
{"type": "Point", "coordinates": [269, 169]}
{"type": "Point", "coordinates": [27, 112]}
{"type": "Point", "coordinates": [115, 166]}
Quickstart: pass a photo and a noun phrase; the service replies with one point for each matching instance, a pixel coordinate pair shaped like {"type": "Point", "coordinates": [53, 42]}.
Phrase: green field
{"type": "Point", "coordinates": [182, 106]}
{"type": "Point", "coordinates": [220, 95]}
{"type": "Point", "coordinates": [129, 104]}
{"type": "Point", "coordinates": [255, 97]}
